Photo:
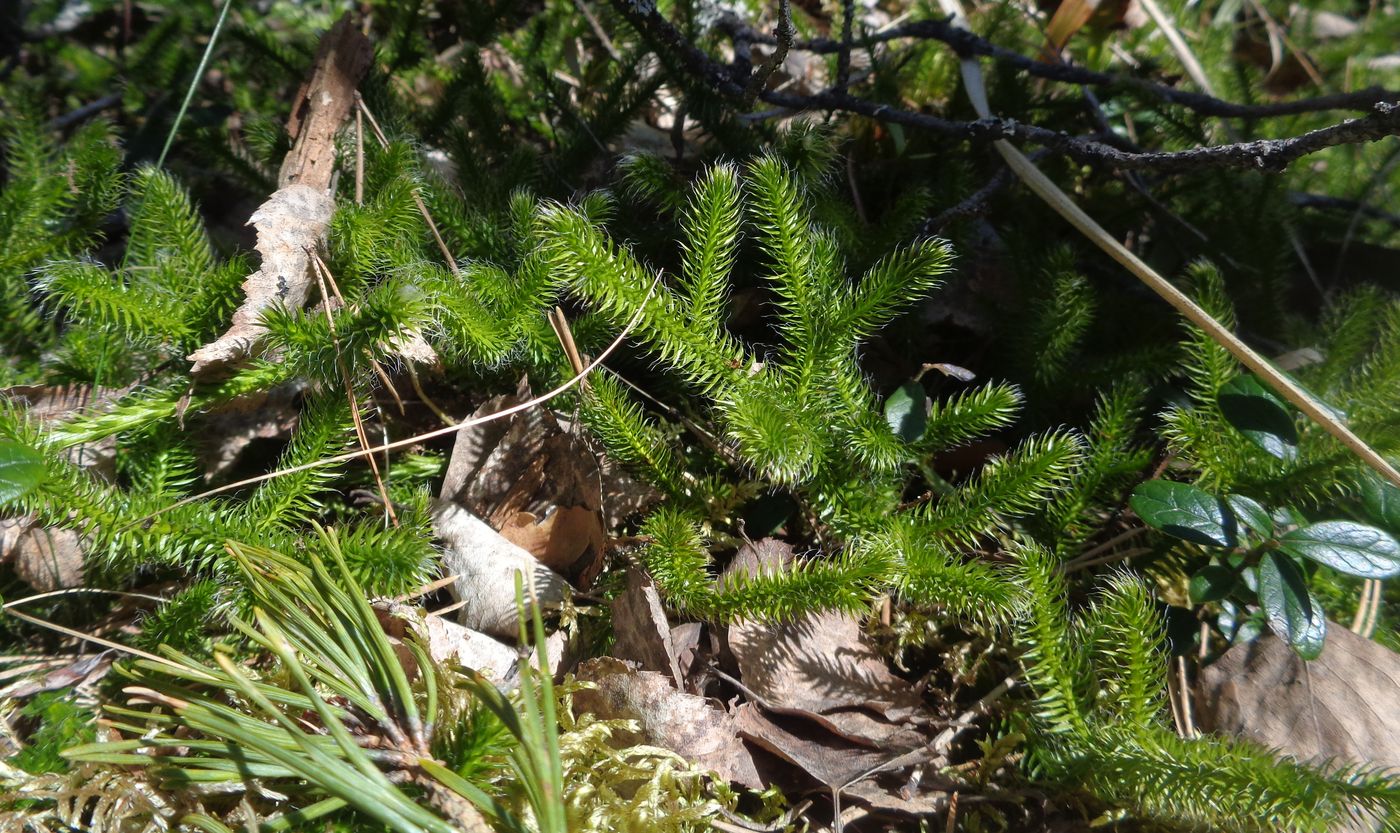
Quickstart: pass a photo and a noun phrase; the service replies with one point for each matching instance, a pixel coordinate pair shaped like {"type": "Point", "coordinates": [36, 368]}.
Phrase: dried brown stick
{"type": "Point", "coordinates": [322, 104]}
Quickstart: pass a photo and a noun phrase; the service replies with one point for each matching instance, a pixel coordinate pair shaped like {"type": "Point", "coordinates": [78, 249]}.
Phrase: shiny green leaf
{"type": "Point", "coordinates": [1347, 547]}
{"type": "Point", "coordinates": [1185, 512]}
{"type": "Point", "coordinates": [1293, 613]}
{"type": "Point", "coordinates": [1260, 416]}
{"type": "Point", "coordinates": [906, 411]}
{"type": "Point", "coordinates": [22, 470]}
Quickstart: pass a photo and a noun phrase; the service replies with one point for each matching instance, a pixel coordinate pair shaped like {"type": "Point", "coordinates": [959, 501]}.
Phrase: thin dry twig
{"type": "Point", "coordinates": [1267, 155]}
{"type": "Point", "coordinates": [322, 273]}
{"type": "Point", "coordinates": [417, 197]}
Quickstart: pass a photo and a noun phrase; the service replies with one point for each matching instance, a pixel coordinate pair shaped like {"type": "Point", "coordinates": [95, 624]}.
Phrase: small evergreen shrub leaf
{"type": "Point", "coordinates": [1186, 512]}
{"type": "Point", "coordinates": [1252, 515]}
{"type": "Point", "coordinates": [1381, 502]}
{"type": "Point", "coordinates": [1212, 583]}
{"type": "Point", "coordinates": [22, 470]}
{"type": "Point", "coordinates": [1260, 416]}
{"type": "Point", "coordinates": [906, 411]}
{"type": "Point", "coordinates": [1293, 613]}
{"type": "Point", "coordinates": [1346, 546]}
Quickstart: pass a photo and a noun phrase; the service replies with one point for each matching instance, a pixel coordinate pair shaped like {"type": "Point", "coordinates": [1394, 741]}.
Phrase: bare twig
{"type": "Point", "coordinates": [783, 41]}
{"type": "Point", "coordinates": [843, 56]}
{"type": "Point", "coordinates": [1267, 155]}
{"type": "Point", "coordinates": [322, 273]}
{"type": "Point", "coordinates": [969, 44]}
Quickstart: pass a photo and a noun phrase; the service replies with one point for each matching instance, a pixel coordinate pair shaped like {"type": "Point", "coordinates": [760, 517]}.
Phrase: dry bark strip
{"type": "Point", "coordinates": [296, 217]}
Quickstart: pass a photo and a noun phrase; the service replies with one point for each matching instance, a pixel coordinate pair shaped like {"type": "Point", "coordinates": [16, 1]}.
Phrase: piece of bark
{"type": "Point", "coordinates": [486, 566]}
{"type": "Point", "coordinates": [683, 723]}
{"type": "Point", "coordinates": [296, 217]}
{"type": "Point", "coordinates": [292, 221]}
{"type": "Point", "coordinates": [322, 104]}
{"type": "Point", "coordinates": [641, 632]}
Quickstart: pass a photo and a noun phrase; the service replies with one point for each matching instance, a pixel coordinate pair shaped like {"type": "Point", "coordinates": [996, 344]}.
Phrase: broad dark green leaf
{"type": "Point", "coordinates": [907, 411]}
{"type": "Point", "coordinates": [1212, 583]}
{"type": "Point", "coordinates": [1260, 416]}
{"type": "Point", "coordinates": [1186, 512]}
{"type": "Point", "coordinates": [1381, 501]}
{"type": "Point", "coordinates": [1252, 515]}
{"type": "Point", "coordinates": [1348, 547]}
{"type": "Point", "coordinates": [1293, 612]}
{"type": "Point", "coordinates": [22, 470]}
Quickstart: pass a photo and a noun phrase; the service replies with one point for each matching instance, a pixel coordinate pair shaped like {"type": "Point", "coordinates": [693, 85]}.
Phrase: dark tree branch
{"type": "Point", "coordinates": [843, 54]}
{"type": "Point", "coordinates": [785, 32]}
{"type": "Point", "coordinates": [966, 44]}
{"type": "Point", "coordinates": [1263, 154]}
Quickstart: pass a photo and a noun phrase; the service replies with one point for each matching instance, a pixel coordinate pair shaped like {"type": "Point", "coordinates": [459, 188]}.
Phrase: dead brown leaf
{"type": "Point", "coordinates": [46, 558]}
{"type": "Point", "coordinates": [536, 484]}
{"type": "Point", "coordinates": [85, 671]}
{"type": "Point", "coordinates": [1341, 705]}
{"type": "Point", "coordinates": [821, 666]}
{"type": "Point", "coordinates": [683, 723]}
{"type": "Point", "coordinates": [640, 628]}
{"type": "Point", "coordinates": [448, 641]}
{"type": "Point", "coordinates": [830, 759]}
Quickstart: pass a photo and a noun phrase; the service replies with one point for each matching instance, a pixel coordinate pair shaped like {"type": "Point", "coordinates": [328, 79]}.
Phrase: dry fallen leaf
{"type": "Point", "coordinates": [831, 760]}
{"type": "Point", "coordinates": [640, 628]}
{"type": "Point", "coordinates": [683, 723]}
{"type": "Point", "coordinates": [486, 565]}
{"type": "Point", "coordinates": [87, 670]}
{"type": "Point", "coordinates": [46, 558]}
{"type": "Point", "coordinates": [536, 484]}
{"type": "Point", "coordinates": [821, 666]}
{"type": "Point", "coordinates": [1341, 705]}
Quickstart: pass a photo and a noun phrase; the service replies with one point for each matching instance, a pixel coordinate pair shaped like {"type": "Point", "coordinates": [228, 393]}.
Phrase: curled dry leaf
{"type": "Point", "coordinates": [292, 221]}
{"type": "Point", "coordinates": [641, 632]}
{"type": "Point", "coordinates": [533, 482]}
{"type": "Point", "coordinates": [1341, 705]}
{"type": "Point", "coordinates": [683, 723]}
{"type": "Point", "coordinates": [486, 565]}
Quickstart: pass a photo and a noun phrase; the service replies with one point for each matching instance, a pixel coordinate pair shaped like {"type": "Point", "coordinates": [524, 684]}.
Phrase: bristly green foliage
{"type": "Point", "coordinates": [1355, 368]}
{"type": "Point", "coordinates": [799, 414]}
{"type": "Point", "coordinates": [1098, 727]}
{"type": "Point", "coordinates": [792, 276]}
